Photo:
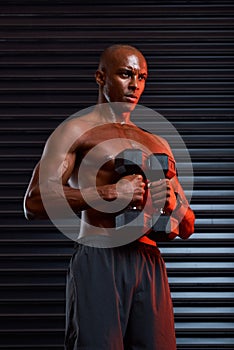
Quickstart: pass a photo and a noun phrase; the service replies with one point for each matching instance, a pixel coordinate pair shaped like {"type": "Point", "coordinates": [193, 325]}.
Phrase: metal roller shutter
{"type": "Point", "coordinates": [48, 55]}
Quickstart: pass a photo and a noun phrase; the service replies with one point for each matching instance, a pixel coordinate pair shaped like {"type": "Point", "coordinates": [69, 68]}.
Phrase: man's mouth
{"type": "Point", "coordinates": [131, 98]}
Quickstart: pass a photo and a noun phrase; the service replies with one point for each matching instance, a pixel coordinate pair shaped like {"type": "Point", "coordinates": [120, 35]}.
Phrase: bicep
{"type": "Point", "coordinates": [58, 159]}
{"type": "Point", "coordinates": [56, 164]}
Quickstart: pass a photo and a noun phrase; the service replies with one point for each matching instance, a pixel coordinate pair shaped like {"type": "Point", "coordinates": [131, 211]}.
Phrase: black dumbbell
{"type": "Point", "coordinates": [164, 227]}
{"type": "Point", "coordinates": [134, 161]}
{"type": "Point", "coordinates": [129, 162]}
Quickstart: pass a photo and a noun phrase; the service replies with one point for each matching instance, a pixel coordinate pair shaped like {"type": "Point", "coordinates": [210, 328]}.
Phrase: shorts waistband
{"type": "Point", "coordinates": [146, 240]}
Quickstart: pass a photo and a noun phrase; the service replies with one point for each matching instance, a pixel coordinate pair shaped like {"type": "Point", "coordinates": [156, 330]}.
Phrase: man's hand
{"type": "Point", "coordinates": [163, 195]}
{"type": "Point", "coordinates": [131, 189]}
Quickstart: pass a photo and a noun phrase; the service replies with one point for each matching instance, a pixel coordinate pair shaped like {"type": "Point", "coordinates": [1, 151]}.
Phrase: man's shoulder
{"type": "Point", "coordinates": [160, 141]}
{"type": "Point", "coordinates": [77, 124]}
{"type": "Point", "coordinates": [155, 136]}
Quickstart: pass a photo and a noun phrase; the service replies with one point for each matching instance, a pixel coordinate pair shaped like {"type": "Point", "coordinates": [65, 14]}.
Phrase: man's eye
{"type": "Point", "coordinates": [126, 74]}
{"type": "Point", "coordinates": [142, 77]}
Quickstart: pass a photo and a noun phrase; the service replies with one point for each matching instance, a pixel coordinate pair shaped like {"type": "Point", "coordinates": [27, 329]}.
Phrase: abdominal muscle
{"type": "Point", "coordinates": [94, 223]}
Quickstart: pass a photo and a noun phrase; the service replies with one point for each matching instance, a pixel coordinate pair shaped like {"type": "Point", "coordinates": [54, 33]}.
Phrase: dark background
{"type": "Point", "coordinates": [49, 52]}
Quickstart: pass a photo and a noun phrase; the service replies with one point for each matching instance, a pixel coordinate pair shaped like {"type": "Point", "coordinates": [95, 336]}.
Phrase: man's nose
{"type": "Point", "coordinates": [134, 83]}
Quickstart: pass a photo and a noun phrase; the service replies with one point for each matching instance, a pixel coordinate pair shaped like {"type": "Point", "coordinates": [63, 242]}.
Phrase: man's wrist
{"type": "Point", "coordinates": [181, 206]}
{"type": "Point", "coordinates": [108, 192]}
{"type": "Point", "coordinates": [179, 201]}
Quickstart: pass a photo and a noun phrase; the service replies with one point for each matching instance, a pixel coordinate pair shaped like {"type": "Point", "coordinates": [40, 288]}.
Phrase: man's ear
{"type": "Point", "coordinates": [100, 77]}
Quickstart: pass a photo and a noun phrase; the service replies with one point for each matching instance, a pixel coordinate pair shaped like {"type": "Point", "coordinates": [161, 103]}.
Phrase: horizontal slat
{"type": "Point", "coordinates": [14, 22]}
{"type": "Point", "coordinates": [63, 46]}
{"type": "Point", "coordinates": [98, 33]}
{"type": "Point", "coordinates": [159, 9]}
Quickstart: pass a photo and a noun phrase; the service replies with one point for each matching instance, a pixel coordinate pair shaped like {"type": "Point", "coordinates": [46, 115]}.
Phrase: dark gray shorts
{"type": "Point", "coordinates": [118, 298]}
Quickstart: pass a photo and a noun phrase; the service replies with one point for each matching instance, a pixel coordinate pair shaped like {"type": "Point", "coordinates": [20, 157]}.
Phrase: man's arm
{"type": "Point", "coordinates": [182, 212]}
{"type": "Point", "coordinates": [50, 177]}
{"type": "Point", "coordinates": [169, 195]}
{"type": "Point", "coordinates": [50, 180]}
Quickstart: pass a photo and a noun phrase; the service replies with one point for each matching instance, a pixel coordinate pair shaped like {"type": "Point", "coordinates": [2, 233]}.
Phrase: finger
{"type": "Point", "coordinates": [162, 191]}
{"type": "Point", "coordinates": [157, 184]}
{"type": "Point", "coordinates": [140, 191]}
{"type": "Point", "coordinates": [164, 187]}
{"type": "Point", "coordinates": [139, 177]}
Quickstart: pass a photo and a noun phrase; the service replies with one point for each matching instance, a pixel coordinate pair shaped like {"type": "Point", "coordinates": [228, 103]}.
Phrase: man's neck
{"type": "Point", "coordinates": [110, 113]}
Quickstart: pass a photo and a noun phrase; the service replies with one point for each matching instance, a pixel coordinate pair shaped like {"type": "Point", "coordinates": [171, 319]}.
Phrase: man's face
{"type": "Point", "coordinates": [125, 77]}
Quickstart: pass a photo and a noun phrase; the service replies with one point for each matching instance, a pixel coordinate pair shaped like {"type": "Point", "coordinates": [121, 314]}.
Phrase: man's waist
{"type": "Point", "coordinates": [145, 239]}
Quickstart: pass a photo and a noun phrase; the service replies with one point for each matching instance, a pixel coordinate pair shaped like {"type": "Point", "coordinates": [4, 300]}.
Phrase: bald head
{"type": "Point", "coordinates": [113, 53]}
{"type": "Point", "coordinates": [121, 74]}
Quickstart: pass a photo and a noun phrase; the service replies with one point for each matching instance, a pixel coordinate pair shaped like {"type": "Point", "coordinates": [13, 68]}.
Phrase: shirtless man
{"type": "Point", "coordinates": [118, 297]}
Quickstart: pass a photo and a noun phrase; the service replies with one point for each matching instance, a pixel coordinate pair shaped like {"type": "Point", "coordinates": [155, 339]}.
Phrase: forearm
{"type": "Point", "coordinates": [33, 206]}
{"type": "Point", "coordinates": [86, 198]}
{"type": "Point", "coordinates": [39, 202]}
{"type": "Point", "coordinates": [182, 211]}
{"type": "Point", "coordinates": [186, 219]}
